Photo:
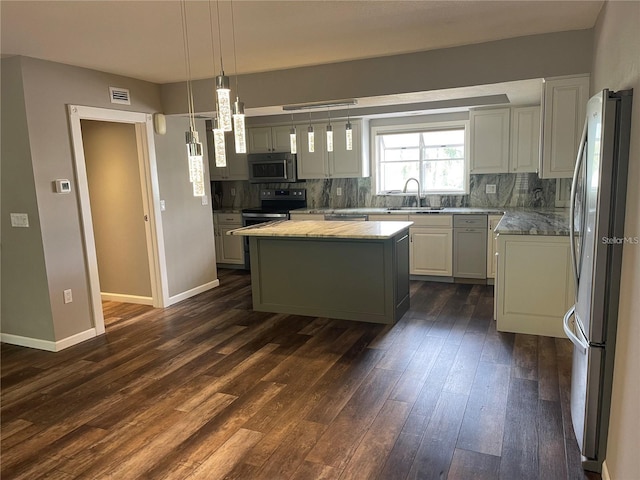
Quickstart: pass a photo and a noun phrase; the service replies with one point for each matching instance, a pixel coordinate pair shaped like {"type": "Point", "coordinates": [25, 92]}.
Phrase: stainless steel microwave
{"type": "Point", "coordinates": [272, 167]}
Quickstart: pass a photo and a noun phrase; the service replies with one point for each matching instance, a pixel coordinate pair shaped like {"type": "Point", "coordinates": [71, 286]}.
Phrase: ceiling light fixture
{"type": "Point", "coordinates": [292, 137]}
{"type": "Point", "coordinates": [194, 147]}
{"type": "Point", "coordinates": [322, 105]}
{"type": "Point", "coordinates": [348, 132]}
{"type": "Point", "coordinates": [310, 137]}
{"type": "Point", "coordinates": [329, 134]}
{"type": "Point", "coordinates": [238, 106]}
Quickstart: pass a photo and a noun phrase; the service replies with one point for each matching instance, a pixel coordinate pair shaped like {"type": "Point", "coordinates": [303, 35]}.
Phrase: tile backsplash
{"type": "Point", "coordinates": [512, 190]}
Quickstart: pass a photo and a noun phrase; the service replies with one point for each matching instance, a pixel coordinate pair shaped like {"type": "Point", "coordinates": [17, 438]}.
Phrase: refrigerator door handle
{"type": "Point", "coordinates": [572, 205]}
{"type": "Point", "coordinates": [579, 343]}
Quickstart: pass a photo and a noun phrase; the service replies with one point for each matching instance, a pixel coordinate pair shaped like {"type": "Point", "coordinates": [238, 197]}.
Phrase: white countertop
{"type": "Point", "coordinates": [323, 229]}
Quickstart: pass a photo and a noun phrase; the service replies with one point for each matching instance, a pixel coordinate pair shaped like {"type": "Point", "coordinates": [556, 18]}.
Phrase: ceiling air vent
{"type": "Point", "coordinates": [119, 95]}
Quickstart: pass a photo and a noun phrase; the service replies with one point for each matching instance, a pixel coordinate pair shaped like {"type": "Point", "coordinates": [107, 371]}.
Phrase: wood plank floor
{"type": "Point", "coordinates": [210, 389]}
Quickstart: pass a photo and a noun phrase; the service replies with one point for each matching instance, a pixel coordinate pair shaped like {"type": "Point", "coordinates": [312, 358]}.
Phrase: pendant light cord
{"type": "Point", "coordinates": [213, 49]}
{"type": "Point", "coordinates": [235, 58]}
{"type": "Point", "coordinates": [219, 35]}
{"type": "Point", "coordinates": [187, 63]}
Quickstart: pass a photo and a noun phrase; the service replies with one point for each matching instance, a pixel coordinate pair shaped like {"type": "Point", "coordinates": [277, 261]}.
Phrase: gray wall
{"type": "Point", "coordinates": [187, 224]}
{"type": "Point", "coordinates": [522, 58]}
{"type": "Point", "coordinates": [616, 65]}
{"type": "Point", "coordinates": [26, 310]}
{"type": "Point", "coordinates": [111, 156]}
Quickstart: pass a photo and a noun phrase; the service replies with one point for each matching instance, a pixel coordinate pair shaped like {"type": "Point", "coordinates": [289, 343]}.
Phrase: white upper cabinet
{"type": "Point", "coordinates": [489, 140]}
{"type": "Point", "coordinates": [525, 139]}
{"type": "Point", "coordinates": [237, 167]}
{"type": "Point", "coordinates": [341, 163]}
{"type": "Point", "coordinates": [564, 103]}
{"type": "Point", "coordinates": [269, 139]}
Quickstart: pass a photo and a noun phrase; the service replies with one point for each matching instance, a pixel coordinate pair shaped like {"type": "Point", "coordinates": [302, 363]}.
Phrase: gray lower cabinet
{"type": "Point", "coordinates": [470, 246]}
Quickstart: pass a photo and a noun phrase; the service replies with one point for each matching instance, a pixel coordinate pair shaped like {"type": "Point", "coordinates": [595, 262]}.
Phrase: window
{"type": "Point", "coordinates": [435, 154]}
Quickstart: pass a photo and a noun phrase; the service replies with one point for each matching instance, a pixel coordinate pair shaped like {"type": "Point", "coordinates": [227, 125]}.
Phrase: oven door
{"type": "Point", "coordinates": [249, 219]}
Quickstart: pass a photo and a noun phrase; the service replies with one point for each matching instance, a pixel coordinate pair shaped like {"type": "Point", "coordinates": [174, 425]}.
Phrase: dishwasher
{"type": "Point", "coordinates": [470, 246]}
{"type": "Point", "coordinates": [347, 217]}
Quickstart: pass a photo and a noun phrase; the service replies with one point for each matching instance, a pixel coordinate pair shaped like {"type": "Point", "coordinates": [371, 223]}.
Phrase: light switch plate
{"type": "Point", "coordinates": [491, 188]}
{"type": "Point", "coordinates": [19, 220]}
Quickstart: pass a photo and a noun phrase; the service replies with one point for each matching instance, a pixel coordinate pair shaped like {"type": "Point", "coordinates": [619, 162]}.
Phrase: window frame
{"type": "Point", "coordinates": [414, 128]}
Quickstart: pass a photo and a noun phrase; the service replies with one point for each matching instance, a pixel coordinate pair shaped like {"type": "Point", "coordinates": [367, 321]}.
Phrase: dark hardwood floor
{"type": "Point", "coordinates": [210, 389]}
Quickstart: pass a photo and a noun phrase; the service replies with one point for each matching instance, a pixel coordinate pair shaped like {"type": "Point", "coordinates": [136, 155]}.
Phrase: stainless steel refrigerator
{"type": "Point", "coordinates": [598, 195]}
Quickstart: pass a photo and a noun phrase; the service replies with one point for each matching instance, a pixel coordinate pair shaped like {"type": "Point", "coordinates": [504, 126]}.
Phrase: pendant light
{"type": "Point", "coordinates": [223, 92]}
{"type": "Point", "coordinates": [218, 134]}
{"type": "Point", "coordinates": [348, 133]}
{"type": "Point", "coordinates": [329, 134]}
{"type": "Point", "coordinates": [292, 137]}
{"type": "Point", "coordinates": [218, 144]}
{"type": "Point", "coordinates": [194, 147]}
{"type": "Point", "coordinates": [239, 134]}
{"type": "Point", "coordinates": [310, 137]}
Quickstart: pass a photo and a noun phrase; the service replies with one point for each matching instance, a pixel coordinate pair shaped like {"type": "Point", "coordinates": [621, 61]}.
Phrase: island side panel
{"type": "Point", "coordinates": [401, 277]}
{"type": "Point", "coordinates": [336, 278]}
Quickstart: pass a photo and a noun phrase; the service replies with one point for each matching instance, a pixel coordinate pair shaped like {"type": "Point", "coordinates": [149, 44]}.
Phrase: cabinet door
{"type": "Point", "coordinates": [535, 284]}
{"type": "Point", "coordinates": [237, 167]}
{"type": "Point", "coordinates": [564, 104]}
{"type": "Point", "coordinates": [218, 243]}
{"type": "Point", "coordinates": [491, 245]}
{"type": "Point", "coordinates": [489, 140]}
{"type": "Point", "coordinates": [259, 140]}
{"type": "Point", "coordinates": [280, 139]}
{"type": "Point", "coordinates": [470, 253]}
{"type": "Point", "coordinates": [232, 250]}
{"type": "Point", "coordinates": [345, 163]}
{"type": "Point", "coordinates": [311, 164]}
{"type": "Point", "coordinates": [525, 139]}
{"type": "Point", "coordinates": [430, 251]}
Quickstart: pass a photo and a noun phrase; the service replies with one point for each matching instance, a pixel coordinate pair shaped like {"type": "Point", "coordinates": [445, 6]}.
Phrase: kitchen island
{"type": "Point", "coordinates": [346, 270]}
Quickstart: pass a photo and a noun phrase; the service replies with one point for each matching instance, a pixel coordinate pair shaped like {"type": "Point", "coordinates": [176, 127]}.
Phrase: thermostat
{"type": "Point", "coordinates": [63, 186]}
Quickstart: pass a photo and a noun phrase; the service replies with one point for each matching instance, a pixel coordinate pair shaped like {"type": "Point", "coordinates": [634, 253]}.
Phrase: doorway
{"type": "Point", "coordinates": [134, 271]}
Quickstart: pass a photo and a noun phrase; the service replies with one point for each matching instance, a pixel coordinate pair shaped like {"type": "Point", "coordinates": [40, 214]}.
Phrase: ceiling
{"type": "Point", "coordinates": [143, 39]}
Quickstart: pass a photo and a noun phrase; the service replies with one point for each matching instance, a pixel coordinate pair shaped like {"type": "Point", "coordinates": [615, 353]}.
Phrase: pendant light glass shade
{"type": "Point", "coordinates": [293, 144]}
{"type": "Point", "coordinates": [311, 139]}
{"type": "Point", "coordinates": [218, 144]}
{"type": "Point", "coordinates": [223, 97]}
{"type": "Point", "coordinates": [349, 136]}
{"type": "Point", "coordinates": [238, 127]}
{"type": "Point", "coordinates": [329, 138]}
{"type": "Point", "coordinates": [196, 166]}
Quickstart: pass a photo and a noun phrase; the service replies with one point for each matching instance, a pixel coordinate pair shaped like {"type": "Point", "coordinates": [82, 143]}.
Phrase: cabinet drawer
{"type": "Point", "coordinates": [478, 221]}
{"type": "Point", "coordinates": [229, 218]}
{"type": "Point", "coordinates": [431, 220]}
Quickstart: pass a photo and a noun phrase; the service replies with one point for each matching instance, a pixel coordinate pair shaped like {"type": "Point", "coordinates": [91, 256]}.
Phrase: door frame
{"type": "Point", "coordinates": [150, 201]}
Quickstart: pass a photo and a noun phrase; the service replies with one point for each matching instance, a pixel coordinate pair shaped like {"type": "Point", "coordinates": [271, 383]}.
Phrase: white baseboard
{"type": "Point", "coordinates": [605, 471]}
{"type": "Point", "coordinates": [121, 297]}
{"type": "Point", "coordinates": [47, 345]}
{"type": "Point", "coordinates": [194, 291]}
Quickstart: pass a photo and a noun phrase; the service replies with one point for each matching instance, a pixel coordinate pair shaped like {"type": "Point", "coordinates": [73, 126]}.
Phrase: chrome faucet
{"type": "Point", "coordinates": [404, 190]}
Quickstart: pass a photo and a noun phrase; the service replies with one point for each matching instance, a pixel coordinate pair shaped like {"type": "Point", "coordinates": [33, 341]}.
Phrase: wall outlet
{"type": "Point", "coordinates": [339, 191]}
{"type": "Point", "coordinates": [233, 192]}
{"type": "Point", "coordinates": [491, 188]}
{"type": "Point", "coordinates": [205, 200]}
{"type": "Point", "coordinates": [68, 296]}
{"type": "Point", "coordinates": [163, 206]}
